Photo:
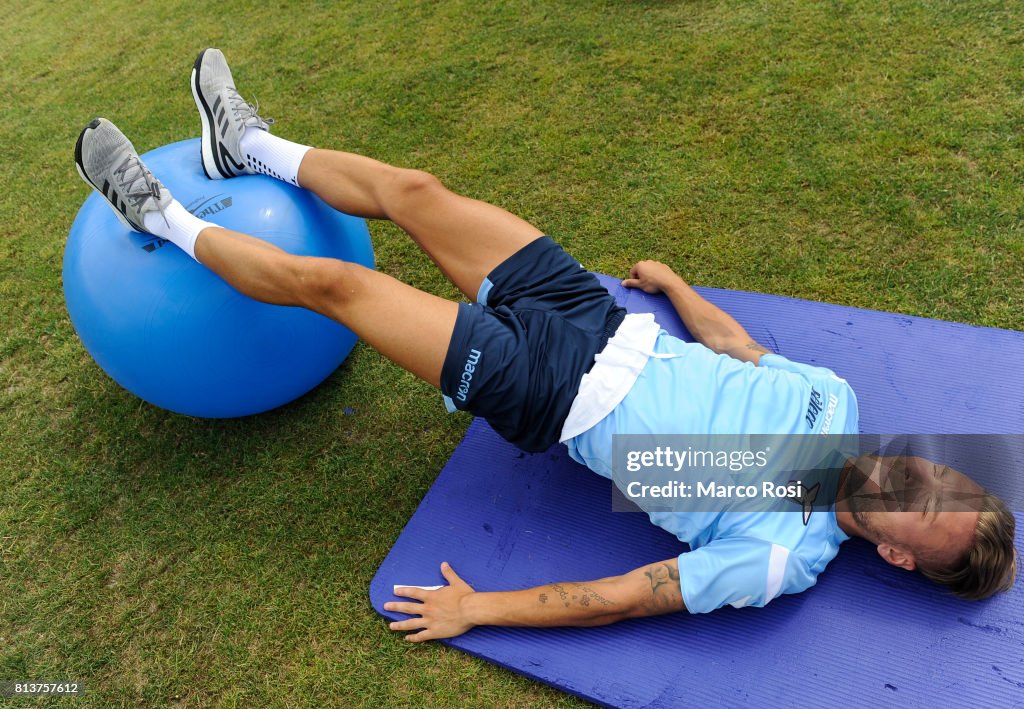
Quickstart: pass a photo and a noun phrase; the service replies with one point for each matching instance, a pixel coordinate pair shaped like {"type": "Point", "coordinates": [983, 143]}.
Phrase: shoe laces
{"type": "Point", "coordinates": [247, 113]}
{"type": "Point", "coordinates": [138, 184]}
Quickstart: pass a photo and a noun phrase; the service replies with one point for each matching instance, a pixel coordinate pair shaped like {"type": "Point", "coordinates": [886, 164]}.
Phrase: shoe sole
{"type": "Point", "coordinates": [207, 118]}
{"type": "Point", "coordinates": [215, 169]}
{"type": "Point", "coordinates": [81, 172]}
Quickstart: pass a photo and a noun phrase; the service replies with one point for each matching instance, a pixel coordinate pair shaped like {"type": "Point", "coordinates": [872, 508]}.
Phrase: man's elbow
{"type": "Point", "coordinates": [725, 342]}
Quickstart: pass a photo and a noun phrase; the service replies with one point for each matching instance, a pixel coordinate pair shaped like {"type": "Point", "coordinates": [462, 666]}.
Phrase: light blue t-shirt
{"type": "Point", "coordinates": [736, 558]}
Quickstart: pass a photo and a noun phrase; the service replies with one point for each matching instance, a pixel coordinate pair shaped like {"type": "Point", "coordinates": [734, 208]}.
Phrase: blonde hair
{"type": "Point", "coordinates": [990, 564]}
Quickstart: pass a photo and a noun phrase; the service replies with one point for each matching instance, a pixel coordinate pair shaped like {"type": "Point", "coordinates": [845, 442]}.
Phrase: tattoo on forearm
{"type": "Point", "coordinates": [579, 593]}
{"type": "Point", "coordinates": [757, 348]}
{"type": "Point", "coordinates": [665, 591]}
{"type": "Point", "coordinates": [590, 594]}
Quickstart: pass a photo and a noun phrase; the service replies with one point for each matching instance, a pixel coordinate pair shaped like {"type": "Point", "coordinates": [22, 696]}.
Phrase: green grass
{"type": "Point", "coordinates": [861, 153]}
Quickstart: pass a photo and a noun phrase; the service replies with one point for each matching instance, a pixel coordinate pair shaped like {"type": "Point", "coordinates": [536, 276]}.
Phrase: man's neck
{"type": "Point", "coordinates": [844, 518]}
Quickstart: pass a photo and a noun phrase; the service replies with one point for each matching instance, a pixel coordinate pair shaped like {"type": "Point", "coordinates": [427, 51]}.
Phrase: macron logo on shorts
{"type": "Point", "coordinates": [467, 374]}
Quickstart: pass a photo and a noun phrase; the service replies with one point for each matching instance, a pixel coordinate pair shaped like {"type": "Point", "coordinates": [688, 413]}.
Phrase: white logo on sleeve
{"type": "Point", "coordinates": [776, 571]}
{"type": "Point", "coordinates": [745, 601]}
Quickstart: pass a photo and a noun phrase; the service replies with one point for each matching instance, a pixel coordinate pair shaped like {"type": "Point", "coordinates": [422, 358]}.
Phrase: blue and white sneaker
{"type": "Point", "coordinates": [225, 115]}
{"type": "Point", "coordinates": [107, 161]}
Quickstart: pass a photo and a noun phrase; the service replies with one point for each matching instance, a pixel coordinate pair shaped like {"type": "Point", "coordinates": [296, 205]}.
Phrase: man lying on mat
{"type": "Point", "coordinates": [545, 355]}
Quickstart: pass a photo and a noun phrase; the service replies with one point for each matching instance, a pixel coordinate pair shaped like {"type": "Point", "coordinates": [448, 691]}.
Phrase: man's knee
{"type": "Point", "coordinates": [411, 188]}
{"type": "Point", "coordinates": [329, 285]}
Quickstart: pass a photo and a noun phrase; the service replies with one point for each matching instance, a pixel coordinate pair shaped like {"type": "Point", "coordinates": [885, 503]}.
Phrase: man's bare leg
{"type": "Point", "coordinates": [406, 325]}
{"type": "Point", "coordinates": [465, 237]}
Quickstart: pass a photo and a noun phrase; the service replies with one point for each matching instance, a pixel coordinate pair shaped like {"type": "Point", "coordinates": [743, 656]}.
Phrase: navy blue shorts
{"type": "Point", "coordinates": [517, 355]}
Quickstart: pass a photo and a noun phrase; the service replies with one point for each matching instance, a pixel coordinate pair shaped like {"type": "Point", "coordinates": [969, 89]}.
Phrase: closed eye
{"type": "Point", "coordinates": [933, 506]}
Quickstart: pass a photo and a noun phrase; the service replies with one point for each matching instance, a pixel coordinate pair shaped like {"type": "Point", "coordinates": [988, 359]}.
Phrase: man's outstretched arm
{"type": "Point", "coordinates": [455, 608]}
{"type": "Point", "coordinates": [710, 325]}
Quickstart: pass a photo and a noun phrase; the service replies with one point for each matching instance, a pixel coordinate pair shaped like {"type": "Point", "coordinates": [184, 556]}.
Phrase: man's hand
{"type": "Point", "coordinates": [652, 277]}
{"type": "Point", "coordinates": [441, 612]}
{"type": "Point", "coordinates": [710, 325]}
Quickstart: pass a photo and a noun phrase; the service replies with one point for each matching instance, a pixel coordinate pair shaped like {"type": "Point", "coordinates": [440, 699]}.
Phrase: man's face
{"type": "Point", "coordinates": [914, 506]}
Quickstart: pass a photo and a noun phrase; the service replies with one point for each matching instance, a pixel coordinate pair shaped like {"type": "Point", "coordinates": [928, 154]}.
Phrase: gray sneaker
{"type": "Point", "coordinates": [225, 117]}
{"type": "Point", "coordinates": [107, 161]}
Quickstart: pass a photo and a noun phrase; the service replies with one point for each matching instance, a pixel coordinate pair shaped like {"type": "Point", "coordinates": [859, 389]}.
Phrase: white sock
{"type": "Point", "coordinates": [269, 155]}
{"type": "Point", "coordinates": [177, 225]}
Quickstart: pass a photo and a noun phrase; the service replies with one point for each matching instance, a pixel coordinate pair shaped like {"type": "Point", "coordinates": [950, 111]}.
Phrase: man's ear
{"type": "Point", "coordinates": [897, 557]}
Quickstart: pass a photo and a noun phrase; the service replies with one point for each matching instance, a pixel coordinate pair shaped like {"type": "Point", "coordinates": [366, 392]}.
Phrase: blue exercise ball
{"type": "Point", "coordinates": [171, 331]}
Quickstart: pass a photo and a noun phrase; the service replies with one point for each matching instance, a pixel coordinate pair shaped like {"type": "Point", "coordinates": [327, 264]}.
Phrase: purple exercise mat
{"type": "Point", "coordinates": [866, 635]}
